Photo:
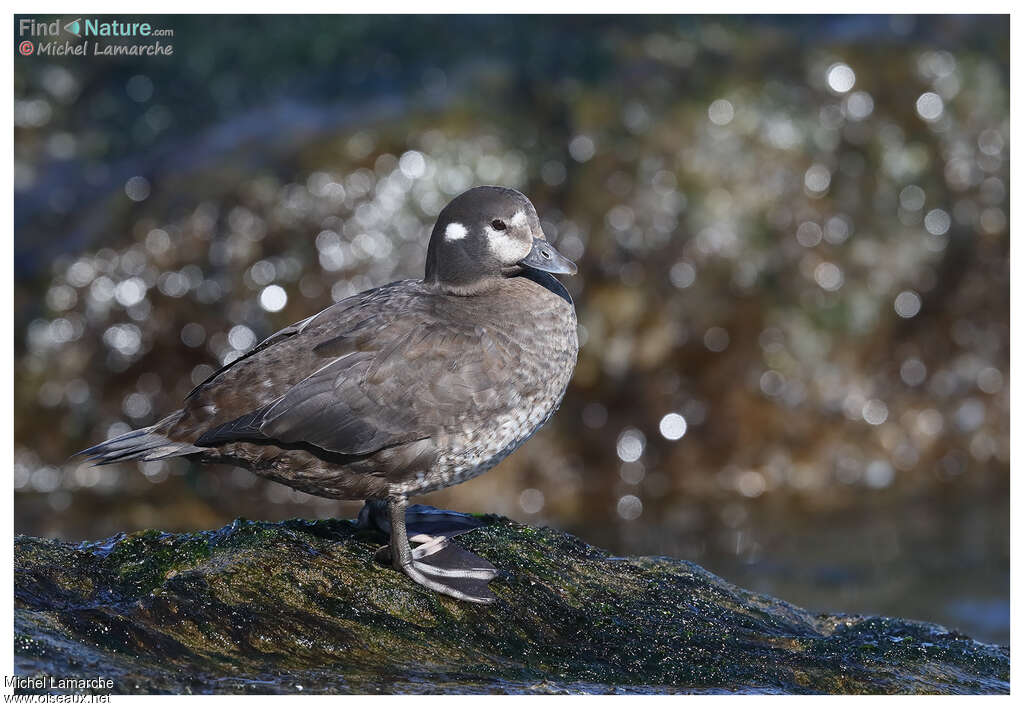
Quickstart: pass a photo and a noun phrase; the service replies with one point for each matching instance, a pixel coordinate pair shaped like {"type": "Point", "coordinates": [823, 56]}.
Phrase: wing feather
{"type": "Point", "coordinates": [389, 378]}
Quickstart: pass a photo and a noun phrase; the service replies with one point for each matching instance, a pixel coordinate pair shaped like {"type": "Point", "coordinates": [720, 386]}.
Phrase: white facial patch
{"type": "Point", "coordinates": [454, 232]}
{"type": "Point", "coordinates": [518, 219]}
{"type": "Point", "coordinates": [505, 248]}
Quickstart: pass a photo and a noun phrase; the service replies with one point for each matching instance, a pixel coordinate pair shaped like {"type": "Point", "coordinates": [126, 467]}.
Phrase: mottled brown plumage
{"type": "Point", "coordinates": [402, 389]}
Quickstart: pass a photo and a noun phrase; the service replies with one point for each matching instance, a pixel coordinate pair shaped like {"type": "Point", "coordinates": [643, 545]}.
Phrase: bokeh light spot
{"type": "Point", "coordinates": [630, 445]}
{"type": "Point", "coordinates": [859, 105]}
{"type": "Point", "coordinates": [716, 339]}
{"type": "Point", "coordinates": [875, 412]}
{"type": "Point", "coordinates": [817, 179]}
{"type": "Point", "coordinates": [672, 426]}
{"type": "Point", "coordinates": [878, 474]}
{"type": "Point", "coordinates": [241, 338]}
{"type": "Point", "coordinates": [809, 234]}
{"type": "Point", "coordinates": [907, 304]}
{"type": "Point", "coordinates": [841, 78]}
{"type": "Point", "coordinates": [273, 298]}
{"type": "Point", "coordinates": [720, 112]}
{"type": "Point", "coordinates": [581, 148]}
{"type": "Point", "coordinates": [531, 501]}
{"type": "Point", "coordinates": [682, 274]}
{"type": "Point", "coordinates": [937, 222]}
{"type": "Point", "coordinates": [929, 106]}
{"type": "Point", "coordinates": [913, 372]}
{"type": "Point", "coordinates": [137, 188]}
{"type": "Point", "coordinates": [829, 276]}
{"type": "Point", "coordinates": [629, 507]}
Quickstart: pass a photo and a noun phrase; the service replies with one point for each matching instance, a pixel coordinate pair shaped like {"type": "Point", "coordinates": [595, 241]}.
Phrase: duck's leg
{"type": "Point", "coordinates": [423, 522]}
{"type": "Point", "coordinates": [457, 575]}
{"type": "Point", "coordinates": [431, 529]}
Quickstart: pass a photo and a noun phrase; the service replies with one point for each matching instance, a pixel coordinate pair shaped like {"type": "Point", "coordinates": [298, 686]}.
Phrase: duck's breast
{"type": "Point", "coordinates": [529, 332]}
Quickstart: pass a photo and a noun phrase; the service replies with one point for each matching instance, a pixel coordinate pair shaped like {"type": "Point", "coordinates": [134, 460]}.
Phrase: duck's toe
{"type": "Point", "coordinates": [460, 573]}
{"type": "Point", "coordinates": [440, 557]}
{"type": "Point", "coordinates": [446, 568]}
{"type": "Point", "coordinates": [465, 584]}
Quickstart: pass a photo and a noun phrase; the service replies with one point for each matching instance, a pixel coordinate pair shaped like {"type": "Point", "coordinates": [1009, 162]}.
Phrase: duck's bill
{"type": "Point", "coordinates": [544, 257]}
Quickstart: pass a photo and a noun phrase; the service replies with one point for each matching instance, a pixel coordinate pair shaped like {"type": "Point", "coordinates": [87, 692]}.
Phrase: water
{"type": "Point", "coordinates": [944, 558]}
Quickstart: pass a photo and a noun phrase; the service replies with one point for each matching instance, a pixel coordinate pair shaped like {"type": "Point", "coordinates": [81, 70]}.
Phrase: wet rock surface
{"type": "Point", "coordinates": [300, 606]}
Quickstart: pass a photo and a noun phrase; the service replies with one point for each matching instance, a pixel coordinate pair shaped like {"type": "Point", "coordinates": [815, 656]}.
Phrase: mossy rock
{"type": "Point", "coordinates": [300, 606]}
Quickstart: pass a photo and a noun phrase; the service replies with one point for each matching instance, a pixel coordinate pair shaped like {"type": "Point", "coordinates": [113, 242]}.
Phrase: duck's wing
{"type": "Point", "coordinates": [388, 378]}
{"type": "Point", "coordinates": [265, 373]}
{"type": "Point", "coordinates": [277, 338]}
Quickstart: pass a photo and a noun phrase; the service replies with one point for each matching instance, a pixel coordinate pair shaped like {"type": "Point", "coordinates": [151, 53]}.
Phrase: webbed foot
{"type": "Point", "coordinates": [436, 563]}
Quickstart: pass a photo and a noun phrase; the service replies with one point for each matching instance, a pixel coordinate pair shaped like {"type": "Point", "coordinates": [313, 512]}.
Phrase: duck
{"type": "Point", "coordinates": [400, 390]}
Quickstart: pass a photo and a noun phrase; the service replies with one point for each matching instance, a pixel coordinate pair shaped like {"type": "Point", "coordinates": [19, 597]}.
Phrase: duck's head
{"type": "Point", "coordinates": [488, 233]}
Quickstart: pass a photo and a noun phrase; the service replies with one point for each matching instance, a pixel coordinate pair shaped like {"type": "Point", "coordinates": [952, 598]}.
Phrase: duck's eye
{"type": "Point", "coordinates": [498, 225]}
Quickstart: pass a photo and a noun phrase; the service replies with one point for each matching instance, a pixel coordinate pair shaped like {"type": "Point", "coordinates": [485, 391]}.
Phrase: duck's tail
{"type": "Point", "coordinates": [142, 444]}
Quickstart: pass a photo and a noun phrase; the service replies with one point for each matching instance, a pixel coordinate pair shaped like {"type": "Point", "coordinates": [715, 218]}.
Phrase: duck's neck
{"type": "Point", "coordinates": [480, 286]}
{"type": "Point", "coordinates": [548, 282]}
{"type": "Point", "coordinates": [493, 284]}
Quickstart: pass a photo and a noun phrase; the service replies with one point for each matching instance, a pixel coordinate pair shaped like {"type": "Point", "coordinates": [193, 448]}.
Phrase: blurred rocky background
{"type": "Point", "coordinates": [793, 238]}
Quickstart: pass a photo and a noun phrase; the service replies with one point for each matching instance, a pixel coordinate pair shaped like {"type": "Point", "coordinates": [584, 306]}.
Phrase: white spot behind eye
{"type": "Point", "coordinates": [454, 232]}
{"type": "Point", "coordinates": [518, 219]}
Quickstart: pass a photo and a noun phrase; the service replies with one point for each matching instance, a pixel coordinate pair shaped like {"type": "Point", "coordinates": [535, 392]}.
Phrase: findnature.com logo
{"type": "Point", "coordinates": [90, 27]}
{"type": "Point", "coordinates": [136, 38]}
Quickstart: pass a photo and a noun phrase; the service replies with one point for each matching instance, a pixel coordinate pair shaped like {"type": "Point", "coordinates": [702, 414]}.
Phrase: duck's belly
{"type": "Point", "coordinates": [472, 450]}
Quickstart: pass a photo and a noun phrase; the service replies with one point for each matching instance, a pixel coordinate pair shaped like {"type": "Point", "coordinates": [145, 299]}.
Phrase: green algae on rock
{"type": "Point", "coordinates": [300, 606]}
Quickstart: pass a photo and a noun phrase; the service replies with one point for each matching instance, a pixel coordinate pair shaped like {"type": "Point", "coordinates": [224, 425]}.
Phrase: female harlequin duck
{"type": "Point", "coordinates": [399, 390]}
